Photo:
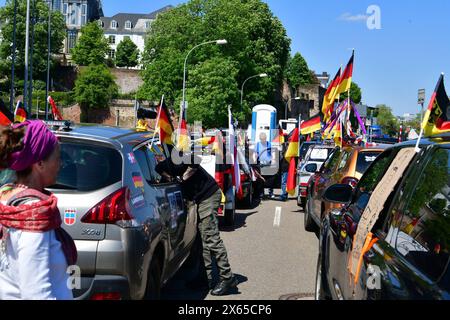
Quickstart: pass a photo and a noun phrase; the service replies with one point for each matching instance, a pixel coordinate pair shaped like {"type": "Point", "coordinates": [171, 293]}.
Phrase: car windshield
{"type": "Point", "coordinates": [365, 159]}
{"type": "Point", "coordinates": [304, 149]}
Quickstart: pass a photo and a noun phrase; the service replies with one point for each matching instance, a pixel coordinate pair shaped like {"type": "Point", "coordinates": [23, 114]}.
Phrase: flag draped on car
{"type": "Point", "coordinates": [436, 118]}
{"type": "Point", "coordinates": [55, 111]}
{"type": "Point", "coordinates": [233, 151]}
{"type": "Point", "coordinates": [6, 117]}
{"type": "Point", "coordinates": [164, 124]}
{"type": "Point", "coordinates": [20, 114]}
{"type": "Point", "coordinates": [311, 126]}
{"type": "Point", "coordinates": [292, 153]}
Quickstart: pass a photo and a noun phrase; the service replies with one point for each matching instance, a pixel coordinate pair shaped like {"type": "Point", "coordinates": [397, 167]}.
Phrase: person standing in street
{"type": "Point", "coordinates": [284, 169]}
{"type": "Point", "coordinates": [264, 156]}
{"type": "Point", "coordinates": [199, 187]}
{"type": "Point", "coordinates": [35, 251]}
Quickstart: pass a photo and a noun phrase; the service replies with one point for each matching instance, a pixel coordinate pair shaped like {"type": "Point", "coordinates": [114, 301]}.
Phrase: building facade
{"type": "Point", "coordinates": [127, 25]}
{"type": "Point", "coordinates": [77, 13]}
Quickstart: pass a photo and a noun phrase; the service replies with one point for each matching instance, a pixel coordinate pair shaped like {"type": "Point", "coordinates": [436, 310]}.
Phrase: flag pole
{"type": "Point", "coordinates": [417, 149]}
{"type": "Point", "coordinates": [157, 121]}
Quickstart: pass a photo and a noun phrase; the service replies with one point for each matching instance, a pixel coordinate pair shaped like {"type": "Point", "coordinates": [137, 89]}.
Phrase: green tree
{"type": "Point", "coordinates": [127, 54]}
{"type": "Point", "coordinates": [257, 42]}
{"type": "Point", "coordinates": [94, 89]}
{"type": "Point", "coordinates": [211, 106]}
{"type": "Point", "coordinates": [92, 46]}
{"type": "Point", "coordinates": [40, 38]}
{"type": "Point", "coordinates": [386, 120]}
{"type": "Point", "coordinates": [355, 93]}
{"type": "Point", "coordinates": [298, 73]}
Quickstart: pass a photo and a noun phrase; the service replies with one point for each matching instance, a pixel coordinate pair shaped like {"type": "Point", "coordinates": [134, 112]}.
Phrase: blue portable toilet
{"type": "Point", "coordinates": [264, 119]}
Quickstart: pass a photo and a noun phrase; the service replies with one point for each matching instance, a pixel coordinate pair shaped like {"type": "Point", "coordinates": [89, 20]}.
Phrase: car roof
{"type": "Point", "coordinates": [114, 135]}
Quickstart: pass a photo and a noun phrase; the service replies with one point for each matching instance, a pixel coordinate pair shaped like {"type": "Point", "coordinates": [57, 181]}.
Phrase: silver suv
{"type": "Point", "coordinates": [132, 232]}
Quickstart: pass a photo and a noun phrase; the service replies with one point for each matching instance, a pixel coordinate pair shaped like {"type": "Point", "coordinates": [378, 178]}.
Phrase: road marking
{"type": "Point", "coordinates": [277, 219]}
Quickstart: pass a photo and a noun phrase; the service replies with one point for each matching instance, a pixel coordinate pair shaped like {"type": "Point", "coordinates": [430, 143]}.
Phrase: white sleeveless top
{"type": "Point", "coordinates": [36, 268]}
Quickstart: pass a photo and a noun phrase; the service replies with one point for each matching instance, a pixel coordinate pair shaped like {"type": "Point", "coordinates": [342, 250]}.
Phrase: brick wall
{"type": "Point", "coordinates": [121, 113]}
{"type": "Point", "coordinates": [127, 80]}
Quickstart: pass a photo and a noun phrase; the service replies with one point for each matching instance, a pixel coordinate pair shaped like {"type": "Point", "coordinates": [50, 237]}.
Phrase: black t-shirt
{"type": "Point", "coordinates": [198, 187]}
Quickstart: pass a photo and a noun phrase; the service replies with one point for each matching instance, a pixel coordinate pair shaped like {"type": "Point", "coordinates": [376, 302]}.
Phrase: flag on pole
{"type": "Point", "coordinates": [436, 118]}
{"type": "Point", "coordinates": [55, 111]}
{"type": "Point", "coordinates": [346, 78]}
{"type": "Point", "coordinates": [6, 117]}
{"type": "Point", "coordinates": [164, 124]}
{"type": "Point", "coordinates": [20, 114]}
{"type": "Point", "coordinates": [183, 135]}
{"type": "Point", "coordinates": [291, 154]}
{"type": "Point", "coordinates": [279, 136]}
{"type": "Point", "coordinates": [233, 149]}
{"type": "Point", "coordinates": [311, 126]}
{"type": "Point", "coordinates": [328, 99]}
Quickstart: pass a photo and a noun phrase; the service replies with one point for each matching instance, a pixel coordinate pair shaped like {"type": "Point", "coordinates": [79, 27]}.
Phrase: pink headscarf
{"type": "Point", "coordinates": [38, 143]}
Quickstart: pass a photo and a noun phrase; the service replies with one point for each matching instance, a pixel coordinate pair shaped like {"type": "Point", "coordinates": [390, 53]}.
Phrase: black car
{"type": "Point", "coordinates": [409, 255]}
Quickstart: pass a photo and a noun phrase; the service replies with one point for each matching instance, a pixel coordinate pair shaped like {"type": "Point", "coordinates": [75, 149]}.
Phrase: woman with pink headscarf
{"type": "Point", "coordinates": [35, 251]}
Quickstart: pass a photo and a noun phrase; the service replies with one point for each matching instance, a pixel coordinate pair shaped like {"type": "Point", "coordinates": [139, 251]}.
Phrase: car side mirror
{"type": "Point", "coordinates": [339, 193]}
{"type": "Point", "coordinates": [311, 168]}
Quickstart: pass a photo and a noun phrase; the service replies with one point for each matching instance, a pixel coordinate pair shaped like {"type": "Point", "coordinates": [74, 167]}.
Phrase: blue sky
{"type": "Point", "coordinates": [409, 51]}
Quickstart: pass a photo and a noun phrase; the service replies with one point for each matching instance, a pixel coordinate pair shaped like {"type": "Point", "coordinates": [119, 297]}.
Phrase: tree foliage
{"type": "Point", "coordinates": [386, 120]}
{"type": "Point", "coordinates": [92, 46]}
{"type": "Point", "coordinates": [298, 73]}
{"type": "Point", "coordinates": [257, 42]}
{"type": "Point", "coordinates": [355, 93]}
{"type": "Point", "coordinates": [94, 89]}
{"type": "Point", "coordinates": [127, 54]}
{"type": "Point", "coordinates": [40, 38]}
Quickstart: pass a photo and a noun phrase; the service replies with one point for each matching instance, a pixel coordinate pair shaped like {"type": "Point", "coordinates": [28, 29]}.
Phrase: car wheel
{"type": "Point", "coordinates": [299, 198]}
{"type": "Point", "coordinates": [309, 223]}
{"type": "Point", "coordinates": [153, 290]}
{"type": "Point", "coordinates": [229, 217]}
{"type": "Point", "coordinates": [320, 288]}
{"type": "Point", "coordinates": [248, 201]}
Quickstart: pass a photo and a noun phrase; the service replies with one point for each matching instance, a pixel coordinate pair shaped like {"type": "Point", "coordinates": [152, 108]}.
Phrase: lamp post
{"type": "Point", "coordinates": [286, 107]}
{"type": "Point", "coordinates": [183, 103]}
{"type": "Point", "coordinates": [49, 44]}
{"type": "Point", "coordinates": [260, 75]}
{"type": "Point", "coordinates": [27, 48]}
{"type": "Point", "coordinates": [13, 58]}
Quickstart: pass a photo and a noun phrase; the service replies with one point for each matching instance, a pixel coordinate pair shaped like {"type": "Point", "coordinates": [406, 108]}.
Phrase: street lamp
{"type": "Point", "coordinates": [261, 75]}
{"type": "Point", "coordinates": [218, 42]}
{"type": "Point", "coordinates": [287, 102]}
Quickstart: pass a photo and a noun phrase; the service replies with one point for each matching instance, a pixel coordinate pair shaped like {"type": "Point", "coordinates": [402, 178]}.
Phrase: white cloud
{"type": "Point", "coordinates": [353, 18]}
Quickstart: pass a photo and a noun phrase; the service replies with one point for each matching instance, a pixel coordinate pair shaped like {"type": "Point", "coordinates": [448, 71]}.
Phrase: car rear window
{"type": "Point", "coordinates": [365, 159]}
{"type": "Point", "coordinates": [86, 167]}
{"type": "Point", "coordinates": [319, 154]}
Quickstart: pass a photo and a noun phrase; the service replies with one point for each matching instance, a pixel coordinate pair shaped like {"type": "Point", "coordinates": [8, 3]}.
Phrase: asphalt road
{"type": "Point", "coordinates": [271, 254]}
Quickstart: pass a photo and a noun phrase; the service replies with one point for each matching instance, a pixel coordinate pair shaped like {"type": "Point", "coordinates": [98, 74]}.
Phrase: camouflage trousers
{"type": "Point", "coordinates": [213, 245]}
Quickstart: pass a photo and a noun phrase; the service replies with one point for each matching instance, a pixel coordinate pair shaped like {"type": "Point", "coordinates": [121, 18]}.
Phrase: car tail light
{"type": "Point", "coordinates": [107, 296]}
{"type": "Point", "coordinates": [350, 181]}
{"type": "Point", "coordinates": [110, 210]}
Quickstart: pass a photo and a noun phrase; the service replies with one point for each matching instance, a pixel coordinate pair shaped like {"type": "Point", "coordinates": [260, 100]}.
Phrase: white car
{"type": "Point", "coordinates": [315, 157]}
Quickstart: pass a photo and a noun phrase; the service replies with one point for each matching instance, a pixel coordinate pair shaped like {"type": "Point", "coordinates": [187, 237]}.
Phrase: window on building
{"type": "Point", "coordinates": [128, 25]}
{"type": "Point", "coordinates": [114, 24]}
{"type": "Point", "coordinates": [101, 24]}
{"type": "Point", "coordinates": [83, 14]}
{"type": "Point", "coordinates": [71, 39]}
{"type": "Point", "coordinates": [148, 25]}
{"type": "Point", "coordinates": [66, 12]}
{"type": "Point", "coordinates": [112, 40]}
{"type": "Point", "coordinates": [112, 53]}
